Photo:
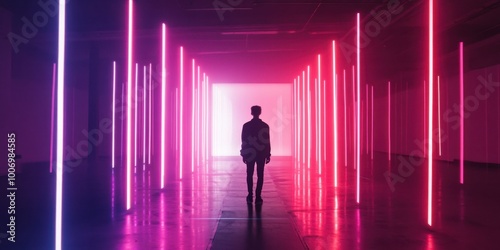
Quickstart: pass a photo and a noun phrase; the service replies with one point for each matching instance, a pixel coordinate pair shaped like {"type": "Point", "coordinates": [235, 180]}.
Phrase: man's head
{"type": "Point", "coordinates": [256, 110]}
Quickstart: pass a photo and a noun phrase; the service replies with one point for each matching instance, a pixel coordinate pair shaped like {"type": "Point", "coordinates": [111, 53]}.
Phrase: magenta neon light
{"type": "Point", "coordinates": [129, 103]}
{"type": "Point", "coordinates": [335, 114]}
{"type": "Point", "coordinates": [61, 40]}
{"type": "Point", "coordinates": [389, 119]}
{"type": "Point", "coordinates": [144, 120]}
{"type": "Point", "coordinates": [461, 45]}
{"type": "Point", "coordinates": [345, 124]}
{"type": "Point", "coordinates": [150, 111]}
{"type": "Point", "coordinates": [198, 143]}
{"type": "Point", "coordinates": [181, 112]}
{"type": "Point", "coordinates": [320, 157]}
{"type": "Point", "coordinates": [431, 87]}
{"type": "Point", "coordinates": [113, 117]}
{"type": "Point", "coordinates": [163, 103]}
{"type": "Point", "coordinates": [309, 115]}
{"type": "Point", "coordinates": [136, 113]}
{"type": "Point", "coordinates": [366, 118]}
{"type": "Point", "coordinates": [304, 118]}
{"type": "Point", "coordinates": [54, 76]}
{"type": "Point", "coordinates": [439, 115]}
{"type": "Point", "coordinates": [358, 152]}
{"type": "Point", "coordinates": [192, 114]}
{"type": "Point", "coordinates": [372, 128]}
{"type": "Point", "coordinates": [354, 118]}
{"type": "Point", "coordinates": [208, 120]}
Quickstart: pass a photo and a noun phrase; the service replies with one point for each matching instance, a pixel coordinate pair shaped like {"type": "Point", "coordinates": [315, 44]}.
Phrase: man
{"type": "Point", "coordinates": [255, 148]}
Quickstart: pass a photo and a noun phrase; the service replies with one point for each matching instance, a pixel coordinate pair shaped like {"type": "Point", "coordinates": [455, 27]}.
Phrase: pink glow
{"type": "Point", "coordinates": [372, 127]}
{"type": "Point", "coordinates": [52, 115]}
{"type": "Point", "coordinates": [358, 150]}
{"type": "Point", "coordinates": [193, 67]}
{"type": "Point", "coordinates": [150, 111]}
{"type": "Point", "coordinates": [136, 113]}
{"type": "Point", "coordinates": [203, 120]}
{"type": "Point", "coordinates": [163, 103]}
{"type": "Point", "coordinates": [353, 118]}
{"type": "Point", "coordinates": [144, 121]}
{"type": "Point", "coordinates": [181, 112]}
{"type": "Point", "coordinates": [319, 149]}
{"type": "Point", "coordinates": [366, 118]}
{"type": "Point", "coordinates": [304, 100]}
{"type": "Point", "coordinates": [335, 114]}
{"type": "Point", "coordinates": [439, 115]}
{"type": "Point", "coordinates": [113, 117]}
{"type": "Point", "coordinates": [208, 120]}
{"type": "Point", "coordinates": [198, 143]}
{"type": "Point", "coordinates": [309, 115]}
{"type": "Point", "coordinates": [129, 103]}
{"type": "Point", "coordinates": [430, 105]}
{"type": "Point", "coordinates": [61, 41]}
{"type": "Point", "coordinates": [345, 124]}
{"type": "Point", "coordinates": [389, 120]}
{"type": "Point", "coordinates": [461, 112]}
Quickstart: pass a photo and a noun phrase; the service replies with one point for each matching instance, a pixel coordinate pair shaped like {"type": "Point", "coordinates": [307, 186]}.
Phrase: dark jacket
{"type": "Point", "coordinates": [255, 140]}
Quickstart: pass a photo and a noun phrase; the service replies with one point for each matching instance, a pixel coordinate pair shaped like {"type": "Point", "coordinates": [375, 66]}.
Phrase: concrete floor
{"type": "Point", "coordinates": [301, 209]}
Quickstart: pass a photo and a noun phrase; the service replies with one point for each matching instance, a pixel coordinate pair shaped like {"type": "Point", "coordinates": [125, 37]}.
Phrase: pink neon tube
{"type": "Point", "coordinates": [52, 115]}
{"type": "Point", "coordinates": [144, 121]}
{"type": "Point", "coordinates": [129, 104]}
{"type": "Point", "coordinates": [193, 67]}
{"type": "Point", "coordinates": [429, 128]}
{"type": "Point", "coordinates": [389, 120]}
{"type": "Point", "coordinates": [181, 113]}
{"type": "Point", "coordinates": [335, 114]}
{"type": "Point", "coordinates": [358, 152]}
{"type": "Point", "coordinates": [309, 115]}
{"type": "Point", "coordinates": [136, 113]}
{"type": "Point", "coordinates": [372, 127]}
{"type": "Point", "coordinates": [320, 158]}
{"type": "Point", "coordinates": [113, 117]}
{"type": "Point", "coordinates": [345, 124]}
{"type": "Point", "coordinates": [163, 104]}
{"type": "Point", "coordinates": [439, 116]}
{"type": "Point", "coordinates": [150, 111]}
{"type": "Point", "coordinates": [461, 112]}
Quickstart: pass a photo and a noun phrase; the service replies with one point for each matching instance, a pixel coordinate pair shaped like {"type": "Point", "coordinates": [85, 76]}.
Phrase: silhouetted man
{"type": "Point", "coordinates": [255, 148]}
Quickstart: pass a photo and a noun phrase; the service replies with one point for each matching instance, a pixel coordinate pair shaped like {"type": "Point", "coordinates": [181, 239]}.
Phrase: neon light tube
{"type": "Point", "coordinates": [193, 66]}
{"type": "Point", "coordinates": [304, 119]}
{"type": "Point", "coordinates": [113, 117]}
{"type": "Point", "coordinates": [358, 152]}
{"type": "Point", "coordinates": [163, 103]}
{"type": "Point", "coordinates": [54, 76]}
{"type": "Point", "coordinates": [61, 41]}
{"type": "Point", "coordinates": [320, 157]}
{"type": "Point", "coordinates": [198, 144]}
{"type": "Point", "coordinates": [335, 126]}
{"type": "Point", "coordinates": [372, 126]}
{"type": "Point", "coordinates": [389, 119]}
{"type": "Point", "coordinates": [366, 118]}
{"type": "Point", "coordinates": [129, 103]}
{"type": "Point", "coordinates": [144, 121]}
{"type": "Point", "coordinates": [181, 113]}
{"type": "Point", "coordinates": [136, 113]}
{"type": "Point", "coordinates": [354, 117]}
{"type": "Point", "coordinates": [345, 124]}
{"type": "Point", "coordinates": [309, 115]}
{"type": "Point", "coordinates": [429, 132]}
{"type": "Point", "coordinates": [316, 123]}
{"type": "Point", "coordinates": [207, 148]}
{"type": "Point", "coordinates": [439, 116]}
{"type": "Point", "coordinates": [150, 111]}
{"type": "Point", "coordinates": [461, 45]}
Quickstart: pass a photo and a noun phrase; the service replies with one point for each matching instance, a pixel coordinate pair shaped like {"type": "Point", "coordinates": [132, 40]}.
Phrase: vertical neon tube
{"type": "Point", "coordinates": [461, 45]}
{"type": "Point", "coordinates": [54, 76]}
{"type": "Point", "coordinates": [366, 118]}
{"type": "Point", "coordinates": [144, 121]}
{"type": "Point", "coordinates": [113, 117]}
{"type": "Point", "coordinates": [320, 158]}
{"type": "Point", "coordinates": [429, 132]}
{"type": "Point", "coordinates": [181, 112]}
{"type": "Point", "coordinates": [439, 115]}
{"type": "Point", "coordinates": [304, 119]}
{"type": "Point", "coordinates": [193, 66]}
{"type": "Point", "coordinates": [150, 111]}
{"type": "Point", "coordinates": [309, 115]}
{"type": "Point", "coordinates": [207, 148]}
{"type": "Point", "coordinates": [61, 40]}
{"type": "Point", "coordinates": [316, 122]}
{"type": "Point", "coordinates": [345, 124]}
{"type": "Point", "coordinates": [354, 118]}
{"type": "Point", "coordinates": [358, 152]}
{"type": "Point", "coordinates": [372, 128]}
{"type": "Point", "coordinates": [129, 103]}
{"type": "Point", "coordinates": [136, 112]}
{"type": "Point", "coordinates": [335, 126]}
{"type": "Point", "coordinates": [198, 143]}
{"type": "Point", "coordinates": [389, 120]}
{"type": "Point", "coordinates": [163, 103]}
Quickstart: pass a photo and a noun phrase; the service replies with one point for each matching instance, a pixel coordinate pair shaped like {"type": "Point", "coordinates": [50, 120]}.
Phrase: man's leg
{"type": "Point", "coordinates": [250, 169]}
{"type": "Point", "coordinates": [260, 178]}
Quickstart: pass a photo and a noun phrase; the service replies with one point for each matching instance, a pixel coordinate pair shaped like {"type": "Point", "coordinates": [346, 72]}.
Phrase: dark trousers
{"type": "Point", "coordinates": [260, 176]}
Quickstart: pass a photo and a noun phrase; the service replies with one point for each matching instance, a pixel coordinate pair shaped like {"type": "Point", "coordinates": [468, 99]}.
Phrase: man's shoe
{"type": "Point", "coordinates": [249, 199]}
{"type": "Point", "coordinates": [258, 200]}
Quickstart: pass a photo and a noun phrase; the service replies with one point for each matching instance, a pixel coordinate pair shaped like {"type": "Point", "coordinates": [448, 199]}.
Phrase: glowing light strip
{"type": "Point", "coordinates": [372, 126]}
{"type": "Point", "coordinates": [345, 124]}
{"type": "Point", "coordinates": [150, 111]}
{"type": "Point", "coordinates": [358, 152]}
{"type": "Point", "coordinates": [354, 117]}
{"type": "Point", "coordinates": [163, 103]}
{"type": "Point", "coordinates": [199, 119]}
{"type": "Point", "coordinates": [389, 120]}
{"type": "Point", "coordinates": [309, 115]}
{"type": "Point", "coordinates": [335, 126]}
{"type": "Point", "coordinates": [54, 72]}
{"type": "Point", "coordinates": [203, 118]}
{"type": "Point", "coordinates": [295, 120]}
{"type": "Point", "coordinates": [192, 114]}
{"type": "Point", "coordinates": [61, 40]}
{"type": "Point", "coordinates": [320, 158]}
{"type": "Point", "coordinates": [181, 113]}
{"type": "Point", "coordinates": [429, 132]}
{"type": "Point", "coordinates": [366, 118]}
{"type": "Point", "coordinates": [207, 148]}
{"type": "Point", "coordinates": [129, 103]}
{"type": "Point", "coordinates": [304, 119]}
{"type": "Point", "coordinates": [144, 121]}
{"type": "Point", "coordinates": [461, 45]}
{"type": "Point", "coordinates": [113, 117]}
{"type": "Point", "coordinates": [439, 116]}
{"type": "Point", "coordinates": [316, 123]}
{"type": "Point", "coordinates": [136, 112]}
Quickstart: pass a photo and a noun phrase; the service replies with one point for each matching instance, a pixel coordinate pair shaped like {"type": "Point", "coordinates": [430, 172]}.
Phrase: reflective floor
{"type": "Point", "coordinates": [301, 209]}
